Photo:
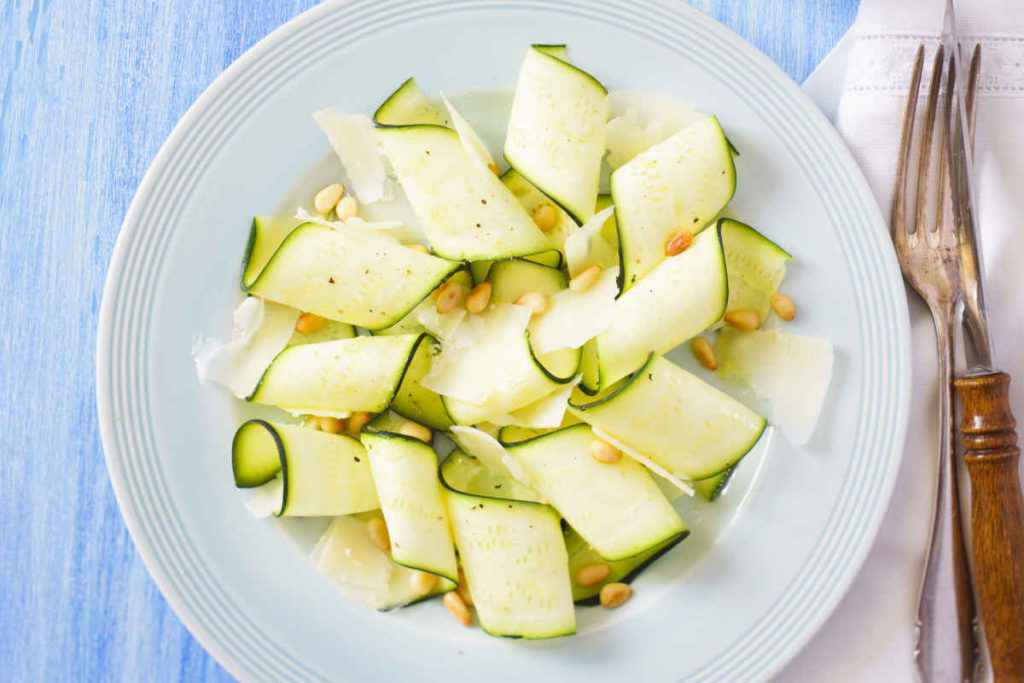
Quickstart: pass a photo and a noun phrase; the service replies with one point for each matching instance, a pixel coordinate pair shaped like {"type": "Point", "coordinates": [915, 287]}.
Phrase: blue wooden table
{"type": "Point", "coordinates": [89, 89]}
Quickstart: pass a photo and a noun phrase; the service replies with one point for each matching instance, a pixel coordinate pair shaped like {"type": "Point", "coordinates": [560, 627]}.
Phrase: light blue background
{"type": "Point", "coordinates": [89, 89]}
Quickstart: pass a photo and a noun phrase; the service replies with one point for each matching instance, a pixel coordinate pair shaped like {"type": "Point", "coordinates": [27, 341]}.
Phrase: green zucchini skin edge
{"type": "Point", "coordinates": [398, 385]}
{"type": "Point", "coordinates": [247, 254]}
{"type": "Point", "coordinates": [628, 380]}
{"type": "Point", "coordinates": [628, 578]}
{"type": "Point", "coordinates": [387, 100]}
{"type": "Point", "coordinates": [778, 247]}
{"type": "Point", "coordinates": [280, 454]}
{"type": "Point", "coordinates": [454, 266]}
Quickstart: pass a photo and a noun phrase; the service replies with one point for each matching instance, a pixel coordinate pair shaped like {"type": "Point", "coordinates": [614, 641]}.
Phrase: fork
{"type": "Point", "coordinates": [929, 256]}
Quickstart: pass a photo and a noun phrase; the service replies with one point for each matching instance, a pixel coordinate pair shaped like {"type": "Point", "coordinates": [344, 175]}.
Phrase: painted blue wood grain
{"type": "Point", "coordinates": [90, 89]}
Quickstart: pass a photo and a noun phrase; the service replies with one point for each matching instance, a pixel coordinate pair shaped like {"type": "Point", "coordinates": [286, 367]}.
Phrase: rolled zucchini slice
{"type": "Point", "coordinates": [406, 477]}
{"type": "Point", "coordinates": [346, 274]}
{"type": "Point", "coordinates": [469, 475]}
{"type": "Point", "coordinates": [556, 130]}
{"type": "Point", "coordinates": [265, 236]}
{"type": "Point", "coordinates": [408, 105]}
{"type": "Point", "coordinates": [514, 558]}
{"type": "Point", "coordinates": [678, 300]}
{"type": "Point", "coordinates": [416, 402]}
{"type": "Point", "coordinates": [581, 555]}
{"type": "Point", "coordinates": [679, 184]}
{"type": "Point", "coordinates": [617, 507]}
{"type": "Point", "coordinates": [756, 267]}
{"type": "Point", "coordinates": [683, 424]}
{"type": "Point", "coordinates": [331, 331]}
{"type": "Point", "coordinates": [711, 488]}
{"type": "Point", "coordinates": [338, 377]}
{"type": "Point", "coordinates": [323, 474]}
{"type": "Point", "coordinates": [466, 212]}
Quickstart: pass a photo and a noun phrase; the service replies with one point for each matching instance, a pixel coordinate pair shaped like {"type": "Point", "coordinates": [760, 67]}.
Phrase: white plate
{"type": "Point", "coordinates": [760, 573]}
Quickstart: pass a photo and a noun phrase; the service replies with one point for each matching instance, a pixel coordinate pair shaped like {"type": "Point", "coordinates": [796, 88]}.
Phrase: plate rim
{"type": "Point", "coordinates": [131, 232]}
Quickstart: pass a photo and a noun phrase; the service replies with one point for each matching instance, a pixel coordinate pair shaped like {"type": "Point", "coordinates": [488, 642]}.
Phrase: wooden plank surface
{"type": "Point", "coordinates": [90, 89]}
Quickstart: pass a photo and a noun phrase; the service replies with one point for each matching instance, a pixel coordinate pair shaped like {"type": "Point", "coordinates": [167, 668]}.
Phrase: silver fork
{"type": "Point", "coordinates": [929, 257]}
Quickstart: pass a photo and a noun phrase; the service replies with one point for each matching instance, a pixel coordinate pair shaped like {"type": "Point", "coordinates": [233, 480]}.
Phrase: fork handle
{"type": "Point", "coordinates": [988, 434]}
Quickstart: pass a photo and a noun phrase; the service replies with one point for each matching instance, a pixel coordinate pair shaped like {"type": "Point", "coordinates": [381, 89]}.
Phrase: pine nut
{"type": "Point", "coordinates": [705, 355]}
{"type": "Point", "coordinates": [422, 248]}
{"type": "Point", "coordinates": [422, 582]}
{"type": "Point", "coordinates": [312, 421]}
{"type": "Point", "coordinates": [592, 574]}
{"type": "Point", "coordinates": [535, 301]}
{"type": "Point", "coordinates": [332, 425]}
{"type": "Point", "coordinates": [450, 296]}
{"type": "Point", "coordinates": [479, 297]}
{"type": "Point", "coordinates": [546, 217]}
{"type": "Point", "coordinates": [585, 280]}
{"type": "Point", "coordinates": [416, 431]}
{"type": "Point", "coordinates": [602, 451]}
{"type": "Point", "coordinates": [494, 168]}
{"type": "Point", "coordinates": [743, 320]}
{"type": "Point", "coordinates": [458, 608]}
{"type": "Point", "coordinates": [614, 594]}
{"type": "Point", "coordinates": [463, 589]}
{"type": "Point", "coordinates": [347, 208]}
{"type": "Point", "coordinates": [678, 242]}
{"type": "Point", "coordinates": [356, 422]}
{"type": "Point", "coordinates": [309, 323]}
{"type": "Point", "coordinates": [377, 530]}
{"type": "Point", "coordinates": [783, 306]}
{"type": "Point", "coordinates": [327, 198]}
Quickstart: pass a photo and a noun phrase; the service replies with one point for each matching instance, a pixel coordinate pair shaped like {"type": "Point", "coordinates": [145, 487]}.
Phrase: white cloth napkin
{"type": "Point", "coordinates": [862, 85]}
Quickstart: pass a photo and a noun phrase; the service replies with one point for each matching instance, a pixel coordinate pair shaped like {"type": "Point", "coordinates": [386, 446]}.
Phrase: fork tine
{"type": "Point", "coordinates": [944, 200]}
{"type": "Point", "coordinates": [898, 217]}
{"type": "Point", "coordinates": [924, 166]}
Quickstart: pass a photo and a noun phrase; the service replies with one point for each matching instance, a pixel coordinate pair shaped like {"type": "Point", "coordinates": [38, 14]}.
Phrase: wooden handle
{"type": "Point", "coordinates": [997, 518]}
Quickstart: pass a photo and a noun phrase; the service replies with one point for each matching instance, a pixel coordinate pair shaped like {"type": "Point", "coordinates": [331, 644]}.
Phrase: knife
{"type": "Point", "coordinates": [987, 428]}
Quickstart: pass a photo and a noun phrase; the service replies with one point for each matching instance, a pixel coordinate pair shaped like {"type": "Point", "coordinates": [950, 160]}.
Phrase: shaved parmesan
{"type": "Point", "coordinates": [489, 452]}
{"type": "Point", "coordinates": [353, 140]}
{"type": "Point", "coordinates": [790, 371]}
{"type": "Point", "coordinates": [544, 413]}
{"type": "Point", "coordinates": [586, 246]}
{"type": "Point", "coordinates": [644, 460]}
{"type": "Point", "coordinates": [441, 325]}
{"type": "Point", "coordinates": [261, 330]}
{"type": "Point", "coordinates": [468, 368]}
{"type": "Point", "coordinates": [264, 501]}
{"type": "Point", "coordinates": [471, 142]}
{"type": "Point", "coordinates": [573, 318]}
{"type": "Point", "coordinates": [641, 119]}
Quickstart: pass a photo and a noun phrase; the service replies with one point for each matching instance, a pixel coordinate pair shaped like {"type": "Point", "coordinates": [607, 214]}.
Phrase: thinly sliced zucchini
{"type": "Point", "coordinates": [683, 424]}
{"type": "Point", "coordinates": [408, 105]}
{"type": "Point", "coordinates": [617, 506]}
{"type": "Point", "coordinates": [510, 280]}
{"type": "Point", "coordinates": [489, 369]}
{"type": "Point", "coordinates": [556, 130]}
{"type": "Point", "coordinates": [514, 433]}
{"type": "Point", "coordinates": [581, 555]}
{"type": "Point", "coordinates": [756, 267]}
{"type": "Point", "coordinates": [465, 210]}
{"type": "Point", "coordinates": [790, 371]}
{"type": "Point", "coordinates": [416, 402]}
{"type": "Point", "coordinates": [515, 562]}
{"type": "Point", "coordinates": [425, 318]}
{"type": "Point", "coordinates": [361, 277]}
{"type": "Point", "coordinates": [556, 50]}
{"type": "Point", "coordinates": [469, 475]}
{"type": "Point", "coordinates": [405, 474]}
{"type": "Point", "coordinates": [551, 259]}
{"type": "Point", "coordinates": [531, 198]}
{"type": "Point", "coordinates": [590, 369]}
{"type": "Point", "coordinates": [361, 570]}
{"type": "Point", "coordinates": [338, 377]}
{"type": "Point", "coordinates": [265, 237]}
{"type": "Point", "coordinates": [713, 487]}
{"type": "Point", "coordinates": [331, 331]}
{"type": "Point", "coordinates": [679, 184]}
{"type": "Point", "coordinates": [323, 474]}
{"type": "Point", "coordinates": [679, 299]}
